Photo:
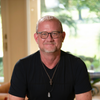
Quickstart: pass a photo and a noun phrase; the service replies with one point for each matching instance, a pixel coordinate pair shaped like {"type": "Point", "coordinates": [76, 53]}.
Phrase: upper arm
{"type": "Point", "coordinates": [84, 96]}
{"type": "Point", "coordinates": [82, 82]}
{"type": "Point", "coordinates": [11, 97]}
{"type": "Point", "coordinates": [18, 81]}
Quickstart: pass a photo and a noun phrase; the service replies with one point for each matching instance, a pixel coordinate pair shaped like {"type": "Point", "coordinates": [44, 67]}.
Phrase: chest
{"type": "Point", "coordinates": [62, 83]}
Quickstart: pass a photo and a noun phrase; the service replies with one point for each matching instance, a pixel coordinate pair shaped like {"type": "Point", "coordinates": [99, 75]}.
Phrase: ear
{"type": "Point", "coordinates": [36, 37]}
{"type": "Point", "coordinates": [63, 36]}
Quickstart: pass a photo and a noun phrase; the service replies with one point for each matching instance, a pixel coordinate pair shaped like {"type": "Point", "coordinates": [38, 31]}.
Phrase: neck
{"type": "Point", "coordinates": [50, 59]}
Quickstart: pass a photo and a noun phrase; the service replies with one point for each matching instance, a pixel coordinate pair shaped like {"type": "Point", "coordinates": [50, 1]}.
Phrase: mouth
{"type": "Point", "coordinates": [49, 43]}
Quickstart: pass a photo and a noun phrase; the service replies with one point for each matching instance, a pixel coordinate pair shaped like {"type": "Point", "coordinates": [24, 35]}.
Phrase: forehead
{"type": "Point", "coordinates": [49, 25]}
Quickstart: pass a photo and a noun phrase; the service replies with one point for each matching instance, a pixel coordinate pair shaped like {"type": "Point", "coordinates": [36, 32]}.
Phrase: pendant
{"type": "Point", "coordinates": [49, 94]}
{"type": "Point", "coordinates": [50, 81]}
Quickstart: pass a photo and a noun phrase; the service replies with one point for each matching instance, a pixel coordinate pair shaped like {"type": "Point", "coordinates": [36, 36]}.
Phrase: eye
{"type": "Point", "coordinates": [44, 33]}
{"type": "Point", "coordinates": [54, 33]}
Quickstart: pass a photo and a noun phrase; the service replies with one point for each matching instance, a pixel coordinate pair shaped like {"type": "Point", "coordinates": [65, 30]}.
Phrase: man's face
{"type": "Point", "coordinates": [49, 44]}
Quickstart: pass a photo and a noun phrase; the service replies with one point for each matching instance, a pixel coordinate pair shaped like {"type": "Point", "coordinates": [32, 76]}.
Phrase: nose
{"type": "Point", "coordinates": [50, 36]}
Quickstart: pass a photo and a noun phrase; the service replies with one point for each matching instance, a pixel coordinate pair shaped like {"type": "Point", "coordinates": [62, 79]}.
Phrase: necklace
{"type": "Point", "coordinates": [50, 79]}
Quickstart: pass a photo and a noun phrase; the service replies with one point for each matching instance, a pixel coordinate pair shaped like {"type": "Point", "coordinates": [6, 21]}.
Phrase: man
{"type": "Point", "coordinates": [50, 73]}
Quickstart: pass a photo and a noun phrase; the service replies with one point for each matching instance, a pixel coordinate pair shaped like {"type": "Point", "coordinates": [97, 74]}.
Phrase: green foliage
{"type": "Point", "coordinates": [95, 81]}
{"type": "Point", "coordinates": [88, 64]}
{"type": "Point", "coordinates": [91, 63]}
{"type": "Point", "coordinates": [95, 64]}
{"type": "Point", "coordinates": [65, 3]}
{"type": "Point", "coordinates": [64, 18]}
{"type": "Point", "coordinates": [43, 7]}
{"type": "Point", "coordinates": [65, 7]}
{"type": "Point", "coordinates": [92, 5]}
{"type": "Point", "coordinates": [1, 67]}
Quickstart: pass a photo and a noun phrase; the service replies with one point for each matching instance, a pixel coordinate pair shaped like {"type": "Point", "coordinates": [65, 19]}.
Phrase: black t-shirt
{"type": "Point", "coordinates": [29, 78]}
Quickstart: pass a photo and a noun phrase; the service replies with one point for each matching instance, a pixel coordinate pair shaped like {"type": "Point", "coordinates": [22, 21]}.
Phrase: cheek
{"type": "Point", "coordinates": [39, 42]}
{"type": "Point", "coordinates": [59, 42]}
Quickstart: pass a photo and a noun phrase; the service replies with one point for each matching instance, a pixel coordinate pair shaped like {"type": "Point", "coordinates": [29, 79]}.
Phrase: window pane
{"type": "Point", "coordinates": [1, 49]}
{"type": "Point", "coordinates": [81, 22]}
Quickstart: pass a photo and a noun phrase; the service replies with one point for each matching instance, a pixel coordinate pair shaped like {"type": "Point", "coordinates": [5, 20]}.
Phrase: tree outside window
{"type": "Point", "coordinates": [81, 22]}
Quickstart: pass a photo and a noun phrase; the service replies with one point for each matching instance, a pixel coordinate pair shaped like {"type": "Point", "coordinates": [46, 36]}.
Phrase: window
{"type": "Point", "coordinates": [1, 49]}
{"type": "Point", "coordinates": [81, 22]}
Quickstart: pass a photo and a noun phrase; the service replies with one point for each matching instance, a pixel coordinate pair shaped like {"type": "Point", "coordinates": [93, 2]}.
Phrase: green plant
{"type": "Point", "coordinates": [95, 89]}
{"type": "Point", "coordinates": [1, 68]}
{"type": "Point", "coordinates": [88, 64]}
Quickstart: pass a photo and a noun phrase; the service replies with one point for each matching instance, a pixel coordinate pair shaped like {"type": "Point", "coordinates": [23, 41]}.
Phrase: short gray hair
{"type": "Point", "coordinates": [48, 18]}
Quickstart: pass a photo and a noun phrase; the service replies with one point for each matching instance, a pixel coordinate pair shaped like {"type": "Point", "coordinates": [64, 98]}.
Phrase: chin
{"type": "Point", "coordinates": [50, 51]}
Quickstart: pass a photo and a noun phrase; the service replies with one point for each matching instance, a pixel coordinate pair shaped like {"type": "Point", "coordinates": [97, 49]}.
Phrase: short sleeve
{"type": "Point", "coordinates": [18, 81]}
{"type": "Point", "coordinates": [82, 82]}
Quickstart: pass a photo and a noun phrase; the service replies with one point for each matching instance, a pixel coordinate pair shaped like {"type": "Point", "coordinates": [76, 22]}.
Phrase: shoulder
{"type": "Point", "coordinates": [69, 56]}
{"type": "Point", "coordinates": [30, 58]}
{"type": "Point", "coordinates": [33, 56]}
{"type": "Point", "coordinates": [72, 61]}
{"type": "Point", "coordinates": [27, 61]}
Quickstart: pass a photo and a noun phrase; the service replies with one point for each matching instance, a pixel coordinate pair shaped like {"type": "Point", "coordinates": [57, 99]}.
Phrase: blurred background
{"type": "Point", "coordinates": [80, 19]}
